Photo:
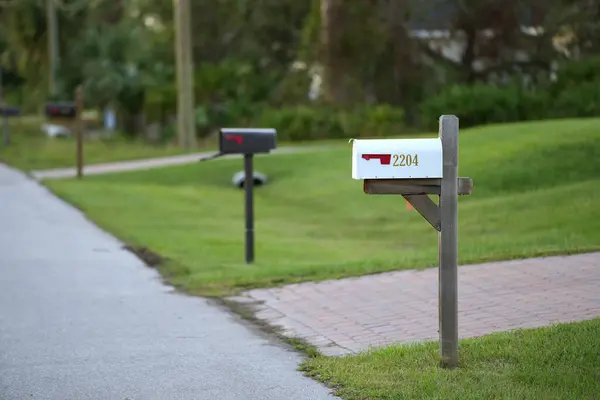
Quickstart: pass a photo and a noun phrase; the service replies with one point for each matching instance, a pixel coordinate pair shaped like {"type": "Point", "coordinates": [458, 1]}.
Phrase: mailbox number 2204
{"type": "Point", "coordinates": [405, 160]}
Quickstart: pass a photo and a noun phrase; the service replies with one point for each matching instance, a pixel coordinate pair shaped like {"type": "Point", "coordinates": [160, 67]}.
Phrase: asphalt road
{"type": "Point", "coordinates": [81, 318]}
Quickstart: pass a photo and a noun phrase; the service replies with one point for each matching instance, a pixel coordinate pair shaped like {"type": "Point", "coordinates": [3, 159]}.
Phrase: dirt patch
{"type": "Point", "coordinates": [149, 257]}
{"type": "Point", "coordinates": [246, 309]}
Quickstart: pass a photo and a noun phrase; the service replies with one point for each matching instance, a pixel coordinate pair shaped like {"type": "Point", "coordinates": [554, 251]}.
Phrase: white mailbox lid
{"type": "Point", "coordinates": [384, 158]}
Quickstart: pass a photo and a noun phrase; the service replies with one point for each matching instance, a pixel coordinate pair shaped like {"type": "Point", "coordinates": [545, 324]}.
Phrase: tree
{"type": "Point", "coordinates": [508, 37]}
{"type": "Point", "coordinates": [23, 26]}
{"type": "Point", "coordinates": [366, 52]}
{"type": "Point", "coordinates": [116, 65]}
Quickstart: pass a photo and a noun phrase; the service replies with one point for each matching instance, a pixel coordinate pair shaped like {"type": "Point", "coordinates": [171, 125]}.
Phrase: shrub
{"type": "Point", "coordinates": [534, 104]}
{"type": "Point", "coordinates": [303, 123]}
{"type": "Point", "coordinates": [574, 93]}
{"type": "Point", "coordinates": [382, 120]}
{"type": "Point", "coordinates": [574, 73]}
{"type": "Point", "coordinates": [160, 102]}
{"type": "Point", "coordinates": [582, 100]}
{"type": "Point", "coordinates": [313, 123]}
{"type": "Point", "coordinates": [481, 104]}
{"type": "Point", "coordinates": [474, 105]}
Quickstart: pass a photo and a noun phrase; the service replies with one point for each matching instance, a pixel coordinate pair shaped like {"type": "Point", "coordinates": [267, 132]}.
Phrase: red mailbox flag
{"type": "Point", "coordinates": [235, 138]}
{"type": "Point", "coordinates": [384, 159]}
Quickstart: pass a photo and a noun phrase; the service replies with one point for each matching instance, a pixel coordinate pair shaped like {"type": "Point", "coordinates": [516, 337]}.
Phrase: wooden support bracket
{"type": "Point", "coordinates": [427, 208]}
{"type": "Point", "coordinates": [416, 192]}
{"type": "Point", "coordinates": [413, 186]}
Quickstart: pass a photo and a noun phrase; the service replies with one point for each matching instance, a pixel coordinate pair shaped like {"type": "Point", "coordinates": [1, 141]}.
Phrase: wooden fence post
{"type": "Point", "coordinates": [79, 130]}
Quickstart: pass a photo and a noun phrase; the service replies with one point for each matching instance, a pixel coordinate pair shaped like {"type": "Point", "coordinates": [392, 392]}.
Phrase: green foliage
{"type": "Point", "coordinates": [303, 123]}
{"type": "Point", "coordinates": [227, 93]}
{"type": "Point", "coordinates": [160, 102]}
{"type": "Point", "coordinates": [575, 73]}
{"type": "Point", "coordinates": [383, 120]}
{"type": "Point", "coordinates": [265, 32]}
{"type": "Point", "coordinates": [244, 50]}
{"type": "Point", "coordinates": [117, 64]}
{"type": "Point", "coordinates": [23, 29]}
{"type": "Point", "coordinates": [10, 79]}
{"type": "Point", "coordinates": [293, 89]}
{"type": "Point", "coordinates": [481, 104]}
{"type": "Point", "coordinates": [230, 92]}
{"type": "Point", "coordinates": [231, 80]}
{"type": "Point", "coordinates": [574, 93]}
{"type": "Point", "coordinates": [114, 65]}
{"type": "Point", "coordinates": [582, 100]}
{"type": "Point", "coordinates": [309, 37]}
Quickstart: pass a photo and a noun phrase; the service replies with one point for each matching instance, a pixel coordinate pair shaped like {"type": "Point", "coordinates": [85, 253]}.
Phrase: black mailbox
{"type": "Point", "coordinates": [246, 140]}
{"type": "Point", "coordinates": [61, 110]}
{"type": "Point", "coordinates": [10, 111]}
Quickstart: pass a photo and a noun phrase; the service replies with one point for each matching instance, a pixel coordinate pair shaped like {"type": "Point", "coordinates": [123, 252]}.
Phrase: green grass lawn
{"type": "Point", "coordinates": [30, 149]}
{"type": "Point", "coordinates": [558, 362]}
{"type": "Point", "coordinates": [536, 191]}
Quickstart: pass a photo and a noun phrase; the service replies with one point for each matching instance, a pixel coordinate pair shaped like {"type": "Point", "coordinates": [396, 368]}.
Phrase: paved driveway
{"type": "Point", "coordinates": [81, 318]}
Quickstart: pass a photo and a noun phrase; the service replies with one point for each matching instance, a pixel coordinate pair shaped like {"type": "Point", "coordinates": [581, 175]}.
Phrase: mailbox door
{"type": "Point", "coordinates": [251, 141]}
{"type": "Point", "coordinates": [396, 158]}
{"type": "Point", "coordinates": [61, 110]}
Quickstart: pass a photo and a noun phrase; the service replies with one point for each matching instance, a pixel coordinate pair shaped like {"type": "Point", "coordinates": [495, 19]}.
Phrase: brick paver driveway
{"type": "Point", "coordinates": [349, 315]}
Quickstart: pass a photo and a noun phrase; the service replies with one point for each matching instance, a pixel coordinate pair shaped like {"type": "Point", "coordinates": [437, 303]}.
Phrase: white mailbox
{"type": "Point", "coordinates": [396, 158]}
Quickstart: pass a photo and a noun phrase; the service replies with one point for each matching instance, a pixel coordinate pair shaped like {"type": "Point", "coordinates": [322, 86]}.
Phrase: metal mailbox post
{"type": "Point", "coordinates": [415, 169]}
{"type": "Point", "coordinates": [70, 115]}
{"type": "Point", "coordinates": [6, 112]}
{"type": "Point", "coordinates": [247, 141]}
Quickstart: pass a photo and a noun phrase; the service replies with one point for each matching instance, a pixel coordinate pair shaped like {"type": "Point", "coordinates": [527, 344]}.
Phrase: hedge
{"type": "Point", "coordinates": [574, 93]}
{"type": "Point", "coordinates": [303, 123]}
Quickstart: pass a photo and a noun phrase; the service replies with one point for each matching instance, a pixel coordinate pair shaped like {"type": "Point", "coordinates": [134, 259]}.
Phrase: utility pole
{"type": "Point", "coordinates": [53, 50]}
{"type": "Point", "coordinates": [186, 125]}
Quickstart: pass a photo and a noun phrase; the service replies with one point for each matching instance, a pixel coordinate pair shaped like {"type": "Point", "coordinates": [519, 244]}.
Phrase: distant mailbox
{"type": "Point", "coordinates": [246, 140]}
{"type": "Point", "coordinates": [9, 111]}
{"type": "Point", "coordinates": [61, 110]}
{"type": "Point", "coordinates": [396, 158]}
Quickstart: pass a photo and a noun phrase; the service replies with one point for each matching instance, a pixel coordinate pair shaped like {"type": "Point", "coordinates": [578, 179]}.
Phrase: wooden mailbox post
{"type": "Point", "coordinates": [415, 169]}
{"type": "Point", "coordinates": [70, 115]}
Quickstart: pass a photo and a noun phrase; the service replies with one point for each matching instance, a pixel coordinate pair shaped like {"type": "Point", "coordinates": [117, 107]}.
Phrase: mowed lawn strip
{"type": "Point", "coordinates": [558, 362]}
{"type": "Point", "coordinates": [535, 193]}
